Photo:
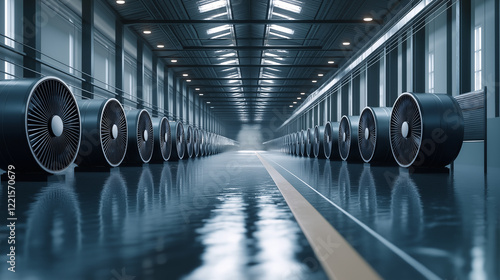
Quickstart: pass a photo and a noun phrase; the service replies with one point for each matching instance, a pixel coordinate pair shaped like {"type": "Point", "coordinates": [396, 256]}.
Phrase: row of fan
{"type": "Point", "coordinates": [420, 130]}
{"type": "Point", "coordinates": [44, 129]}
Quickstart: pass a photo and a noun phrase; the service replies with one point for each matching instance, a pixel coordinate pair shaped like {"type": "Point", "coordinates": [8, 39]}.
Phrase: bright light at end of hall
{"type": "Point", "coordinates": [120, 2]}
{"type": "Point", "coordinates": [147, 32]}
{"type": "Point", "coordinates": [346, 43]}
{"type": "Point", "coordinates": [367, 19]}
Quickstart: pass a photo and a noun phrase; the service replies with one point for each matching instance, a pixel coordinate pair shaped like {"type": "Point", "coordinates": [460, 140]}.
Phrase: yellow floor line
{"type": "Point", "coordinates": [338, 258]}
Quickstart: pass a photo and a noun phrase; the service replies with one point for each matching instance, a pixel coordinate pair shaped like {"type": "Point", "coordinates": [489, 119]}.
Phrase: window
{"type": "Point", "coordinates": [478, 83]}
{"type": "Point", "coordinates": [9, 24]}
{"type": "Point", "coordinates": [431, 72]}
{"type": "Point", "coordinates": [9, 71]}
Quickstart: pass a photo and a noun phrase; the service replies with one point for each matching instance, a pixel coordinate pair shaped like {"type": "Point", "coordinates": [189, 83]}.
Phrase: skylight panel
{"type": "Point", "coordinates": [228, 54]}
{"type": "Point", "coordinates": [283, 16]}
{"type": "Point", "coordinates": [218, 29]}
{"type": "Point", "coordinates": [279, 35]}
{"type": "Point", "coordinates": [220, 35]}
{"type": "Point", "coordinates": [287, 6]}
{"type": "Point", "coordinates": [282, 29]}
{"type": "Point", "coordinates": [214, 5]}
{"type": "Point", "coordinates": [232, 61]}
{"type": "Point", "coordinates": [216, 16]}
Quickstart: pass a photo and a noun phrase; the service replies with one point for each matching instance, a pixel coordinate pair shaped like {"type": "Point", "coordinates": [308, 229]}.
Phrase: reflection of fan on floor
{"type": "Point", "coordinates": [427, 130]}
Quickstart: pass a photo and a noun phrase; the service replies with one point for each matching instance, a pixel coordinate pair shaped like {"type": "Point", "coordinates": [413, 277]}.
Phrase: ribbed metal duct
{"type": "Point", "coordinates": [40, 129]}
{"type": "Point", "coordinates": [190, 141]}
{"type": "Point", "coordinates": [310, 142]}
{"type": "Point", "coordinates": [197, 142]}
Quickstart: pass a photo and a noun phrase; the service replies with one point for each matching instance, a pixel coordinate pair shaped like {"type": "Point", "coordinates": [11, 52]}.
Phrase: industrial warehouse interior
{"type": "Point", "coordinates": [249, 139]}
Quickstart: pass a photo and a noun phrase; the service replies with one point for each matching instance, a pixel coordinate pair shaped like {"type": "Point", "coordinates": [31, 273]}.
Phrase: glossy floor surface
{"type": "Point", "coordinates": [222, 217]}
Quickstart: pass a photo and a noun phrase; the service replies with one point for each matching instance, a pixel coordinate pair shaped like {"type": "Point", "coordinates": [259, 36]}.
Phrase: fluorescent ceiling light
{"type": "Point", "coordinates": [294, 102]}
{"type": "Point", "coordinates": [367, 19]}
{"type": "Point", "coordinates": [214, 5]}
{"type": "Point", "coordinates": [283, 16]}
{"type": "Point", "coordinates": [228, 55]}
{"type": "Point", "coordinates": [229, 69]}
{"type": "Point", "coordinates": [270, 54]}
{"type": "Point", "coordinates": [197, 88]}
{"type": "Point", "coordinates": [121, 2]}
{"type": "Point", "coordinates": [218, 29]}
{"type": "Point", "coordinates": [188, 81]}
{"type": "Point", "coordinates": [267, 61]}
{"type": "Point", "coordinates": [208, 102]}
{"type": "Point", "coordinates": [220, 35]}
{"type": "Point", "coordinates": [331, 62]}
{"type": "Point", "coordinates": [201, 94]}
{"type": "Point", "coordinates": [147, 32]}
{"type": "Point", "coordinates": [302, 93]}
{"type": "Point", "coordinates": [321, 75]}
{"type": "Point", "coordinates": [287, 6]}
{"type": "Point", "coordinates": [232, 61]}
{"type": "Point", "coordinates": [160, 46]}
{"type": "Point", "coordinates": [314, 81]}
{"type": "Point", "coordinates": [173, 60]}
{"type": "Point", "coordinates": [346, 43]}
{"type": "Point", "coordinates": [282, 29]}
{"type": "Point", "coordinates": [299, 98]}
{"type": "Point", "coordinates": [279, 35]}
{"type": "Point", "coordinates": [291, 106]}
{"type": "Point", "coordinates": [185, 75]}
{"type": "Point", "coordinates": [216, 16]}
{"type": "Point", "coordinates": [268, 81]}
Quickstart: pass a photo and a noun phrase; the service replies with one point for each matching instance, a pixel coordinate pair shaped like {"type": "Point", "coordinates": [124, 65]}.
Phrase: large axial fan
{"type": "Point", "coordinates": [319, 138]}
{"type": "Point", "coordinates": [202, 141]}
{"type": "Point", "coordinates": [348, 138]}
{"type": "Point", "coordinates": [297, 143]}
{"type": "Point", "coordinates": [190, 141]}
{"type": "Point", "coordinates": [373, 135]}
{"type": "Point", "coordinates": [162, 140]}
{"type": "Point", "coordinates": [302, 141]}
{"type": "Point", "coordinates": [331, 143]}
{"type": "Point", "coordinates": [427, 130]}
{"type": "Point", "coordinates": [104, 133]}
{"type": "Point", "coordinates": [197, 141]}
{"type": "Point", "coordinates": [178, 141]}
{"type": "Point", "coordinates": [40, 129]}
{"type": "Point", "coordinates": [140, 137]}
{"type": "Point", "coordinates": [310, 142]}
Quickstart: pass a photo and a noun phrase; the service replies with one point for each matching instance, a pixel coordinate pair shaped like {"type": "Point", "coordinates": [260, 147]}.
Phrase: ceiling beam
{"type": "Point", "coordinates": [254, 65]}
{"type": "Point", "coordinates": [252, 86]}
{"type": "Point", "coordinates": [250, 57]}
{"type": "Point", "coordinates": [252, 21]}
{"type": "Point", "coordinates": [251, 79]}
{"type": "Point", "coordinates": [253, 48]}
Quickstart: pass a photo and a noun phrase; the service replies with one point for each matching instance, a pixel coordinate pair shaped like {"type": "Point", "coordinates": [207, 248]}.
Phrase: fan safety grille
{"type": "Point", "coordinates": [344, 137]}
{"type": "Point", "coordinates": [53, 125]}
{"type": "Point", "coordinates": [406, 130]}
{"type": "Point", "coordinates": [145, 136]}
{"type": "Point", "coordinates": [114, 132]}
{"type": "Point", "coordinates": [367, 134]}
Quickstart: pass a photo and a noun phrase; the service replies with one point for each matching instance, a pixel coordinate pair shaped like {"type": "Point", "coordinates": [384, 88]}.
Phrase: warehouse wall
{"type": "Point", "coordinates": [436, 52]}
{"type": "Point", "coordinates": [115, 63]}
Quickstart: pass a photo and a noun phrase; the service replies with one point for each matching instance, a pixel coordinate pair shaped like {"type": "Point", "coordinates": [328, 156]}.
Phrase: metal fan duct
{"type": "Point", "coordinates": [348, 138]}
{"type": "Point", "coordinates": [40, 126]}
{"type": "Point", "coordinates": [140, 137]}
{"type": "Point", "coordinates": [104, 133]}
{"type": "Point", "coordinates": [331, 144]}
{"type": "Point", "coordinates": [373, 135]}
{"type": "Point", "coordinates": [319, 138]}
{"type": "Point", "coordinates": [177, 139]}
{"type": "Point", "coordinates": [162, 140]}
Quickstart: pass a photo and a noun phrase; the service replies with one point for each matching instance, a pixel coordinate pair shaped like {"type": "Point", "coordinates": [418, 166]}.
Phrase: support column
{"type": "Point", "coordinates": [119, 60]}
{"type": "Point", "coordinates": [88, 49]}
{"type": "Point", "coordinates": [31, 38]}
{"type": "Point", "coordinates": [140, 74]}
{"type": "Point", "coordinates": [154, 89]}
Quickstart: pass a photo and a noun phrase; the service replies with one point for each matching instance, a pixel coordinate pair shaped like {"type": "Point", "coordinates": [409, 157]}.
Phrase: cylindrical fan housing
{"type": "Point", "coordinates": [297, 143]}
{"type": "Point", "coordinates": [310, 142]}
{"type": "Point", "coordinates": [162, 140]}
{"type": "Point", "coordinates": [373, 135]}
{"type": "Point", "coordinates": [427, 130]}
{"type": "Point", "coordinates": [178, 140]}
{"type": "Point", "coordinates": [104, 133]}
{"type": "Point", "coordinates": [190, 141]}
{"type": "Point", "coordinates": [197, 142]}
{"type": "Point", "coordinates": [331, 143]}
{"type": "Point", "coordinates": [140, 137]}
{"type": "Point", "coordinates": [319, 138]}
{"type": "Point", "coordinates": [348, 138]}
{"type": "Point", "coordinates": [302, 141]}
{"type": "Point", "coordinates": [40, 127]}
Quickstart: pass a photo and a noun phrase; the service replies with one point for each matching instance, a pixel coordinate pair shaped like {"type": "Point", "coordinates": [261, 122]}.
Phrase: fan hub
{"type": "Point", "coordinates": [405, 129]}
{"type": "Point", "coordinates": [114, 131]}
{"type": "Point", "coordinates": [367, 133]}
{"type": "Point", "coordinates": [165, 137]}
{"type": "Point", "coordinates": [145, 135]}
{"type": "Point", "coordinates": [343, 137]}
{"type": "Point", "coordinates": [56, 126]}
